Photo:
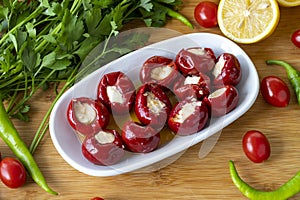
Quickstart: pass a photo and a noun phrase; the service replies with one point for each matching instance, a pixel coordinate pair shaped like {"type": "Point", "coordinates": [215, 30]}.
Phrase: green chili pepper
{"type": "Point", "coordinates": [180, 17]}
{"type": "Point", "coordinates": [12, 138]}
{"type": "Point", "coordinates": [287, 190]}
{"type": "Point", "coordinates": [292, 73]}
{"type": "Point", "coordinates": [176, 15]}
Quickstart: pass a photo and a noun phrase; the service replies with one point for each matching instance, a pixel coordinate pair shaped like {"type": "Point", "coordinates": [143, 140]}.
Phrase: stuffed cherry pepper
{"type": "Point", "coordinates": [188, 117]}
{"type": "Point", "coordinates": [192, 86]}
{"type": "Point", "coordinates": [87, 116]}
{"type": "Point", "coordinates": [227, 71]}
{"type": "Point", "coordinates": [104, 147]}
{"type": "Point", "coordinates": [160, 70]}
{"type": "Point", "coordinates": [117, 92]}
{"type": "Point", "coordinates": [152, 105]}
{"type": "Point", "coordinates": [222, 100]}
{"type": "Point", "coordinates": [139, 138]}
{"type": "Point", "coordinates": [191, 61]}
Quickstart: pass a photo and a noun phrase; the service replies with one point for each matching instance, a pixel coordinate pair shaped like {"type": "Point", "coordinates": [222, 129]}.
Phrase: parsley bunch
{"type": "Point", "coordinates": [43, 42]}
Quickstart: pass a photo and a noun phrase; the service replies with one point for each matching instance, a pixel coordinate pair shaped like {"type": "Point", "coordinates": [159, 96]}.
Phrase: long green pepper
{"type": "Point", "coordinates": [287, 190]}
{"type": "Point", "coordinates": [12, 138]}
{"type": "Point", "coordinates": [292, 73]}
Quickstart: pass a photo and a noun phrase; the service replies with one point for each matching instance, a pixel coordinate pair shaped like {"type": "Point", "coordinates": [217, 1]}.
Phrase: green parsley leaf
{"type": "Point", "coordinates": [44, 3]}
{"type": "Point", "coordinates": [104, 3]}
{"type": "Point", "coordinates": [3, 13]}
{"type": "Point", "coordinates": [71, 30]}
{"type": "Point", "coordinates": [92, 19]}
{"type": "Point", "coordinates": [14, 41]}
{"type": "Point", "coordinates": [49, 38]}
{"type": "Point", "coordinates": [31, 30]}
{"type": "Point", "coordinates": [146, 4]}
{"type": "Point", "coordinates": [171, 2]}
{"type": "Point", "coordinates": [60, 64]}
{"type": "Point", "coordinates": [29, 56]}
{"type": "Point", "coordinates": [49, 59]}
{"type": "Point", "coordinates": [21, 38]}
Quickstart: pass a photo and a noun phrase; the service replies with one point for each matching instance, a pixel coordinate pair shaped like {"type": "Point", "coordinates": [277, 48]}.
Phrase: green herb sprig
{"type": "Point", "coordinates": [44, 42]}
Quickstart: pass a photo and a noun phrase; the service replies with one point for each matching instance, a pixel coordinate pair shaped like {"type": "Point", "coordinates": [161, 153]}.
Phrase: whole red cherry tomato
{"type": "Point", "coordinates": [275, 91]}
{"type": "Point", "coordinates": [205, 14]}
{"type": "Point", "coordinates": [12, 172]}
{"type": "Point", "coordinates": [97, 198]}
{"type": "Point", "coordinates": [256, 146]}
{"type": "Point", "coordinates": [296, 38]}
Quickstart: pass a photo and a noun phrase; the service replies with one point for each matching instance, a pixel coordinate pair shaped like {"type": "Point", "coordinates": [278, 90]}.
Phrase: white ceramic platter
{"type": "Point", "coordinates": [68, 144]}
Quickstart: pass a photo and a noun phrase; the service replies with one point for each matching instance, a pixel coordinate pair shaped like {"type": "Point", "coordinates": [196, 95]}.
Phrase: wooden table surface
{"type": "Point", "coordinates": [189, 177]}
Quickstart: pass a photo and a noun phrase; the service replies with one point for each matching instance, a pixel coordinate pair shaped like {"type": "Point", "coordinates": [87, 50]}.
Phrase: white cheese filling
{"type": "Point", "coordinates": [191, 80]}
{"type": "Point", "coordinates": [218, 92]}
{"type": "Point", "coordinates": [198, 51]}
{"type": "Point", "coordinates": [114, 95]}
{"type": "Point", "coordinates": [160, 73]}
{"type": "Point", "coordinates": [153, 103]}
{"type": "Point", "coordinates": [84, 112]}
{"type": "Point", "coordinates": [186, 111]}
{"type": "Point", "coordinates": [104, 137]}
{"type": "Point", "coordinates": [219, 66]}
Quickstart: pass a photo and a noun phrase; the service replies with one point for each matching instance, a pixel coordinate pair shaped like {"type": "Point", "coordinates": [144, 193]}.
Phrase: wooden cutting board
{"type": "Point", "coordinates": [189, 177]}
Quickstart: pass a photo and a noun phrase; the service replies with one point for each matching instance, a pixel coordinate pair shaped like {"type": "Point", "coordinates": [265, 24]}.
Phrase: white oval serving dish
{"type": "Point", "coordinates": [69, 145]}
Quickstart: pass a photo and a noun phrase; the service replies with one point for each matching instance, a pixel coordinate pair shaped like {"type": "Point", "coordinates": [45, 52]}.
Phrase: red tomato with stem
{"type": "Point", "coordinates": [275, 91]}
{"type": "Point", "coordinates": [12, 172]}
{"type": "Point", "coordinates": [256, 146]}
{"type": "Point", "coordinates": [205, 14]}
{"type": "Point", "coordinates": [296, 38]}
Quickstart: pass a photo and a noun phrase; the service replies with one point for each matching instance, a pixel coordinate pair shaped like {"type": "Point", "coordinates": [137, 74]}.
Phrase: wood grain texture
{"type": "Point", "coordinates": [189, 177]}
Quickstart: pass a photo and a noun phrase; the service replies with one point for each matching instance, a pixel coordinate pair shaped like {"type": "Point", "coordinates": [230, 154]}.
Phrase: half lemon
{"type": "Point", "coordinates": [289, 3]}
{"type": "Point", "coordinates": [248, 21]}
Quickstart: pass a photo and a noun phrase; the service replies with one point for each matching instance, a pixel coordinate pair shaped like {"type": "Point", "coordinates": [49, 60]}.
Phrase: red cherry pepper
{"type": "Point", "coordinates": [117, 92]}
{"type": "Point", "coordinates": [160, 70]}
{"type": "Point", "coordinates": [152, 105]}
{"type": "Point", "coordinates": [103, 148]}
{"type": "Point", "coordinates": [192, 86]}
{"type": "Point", "coordinates": [227, 70]}
{"type": "Point", "coordinates": [87, 116]}
{"type": "Point", "coordinates": [188, 117]}
{"type": "Point", "coordinates": [191, 61]}
{"type": "Point", "coordinates": [139, 138]}
{"type": "Point", "coordinates": [222, 101]}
